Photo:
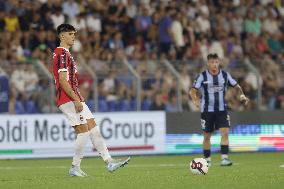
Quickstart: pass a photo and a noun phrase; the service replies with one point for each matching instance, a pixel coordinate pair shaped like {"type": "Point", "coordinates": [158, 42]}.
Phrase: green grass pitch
{"type": "Point", "coordinates": [251, 170]}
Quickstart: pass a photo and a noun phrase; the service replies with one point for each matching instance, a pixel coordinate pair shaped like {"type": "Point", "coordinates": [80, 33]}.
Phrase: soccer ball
{"type": "Point", "coordinates": [199, 166]}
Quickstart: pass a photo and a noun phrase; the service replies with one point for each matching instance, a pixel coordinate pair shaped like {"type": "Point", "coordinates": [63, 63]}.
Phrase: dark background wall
{"type": "Point", "coordinates": [189, 122]}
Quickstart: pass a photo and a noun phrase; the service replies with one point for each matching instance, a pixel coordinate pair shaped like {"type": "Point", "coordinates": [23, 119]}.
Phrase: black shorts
{"type": "Point", "coordinates": [211, 121]}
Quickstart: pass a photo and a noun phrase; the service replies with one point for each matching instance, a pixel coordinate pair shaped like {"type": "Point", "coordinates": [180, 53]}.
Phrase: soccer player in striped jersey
{"type": "Point", "coordinates": [72, 104]}
{"type": "Point", "coordinates": [212, 84]}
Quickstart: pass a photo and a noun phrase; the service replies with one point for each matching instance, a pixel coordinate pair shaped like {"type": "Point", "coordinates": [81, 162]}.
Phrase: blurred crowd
{"type": "Point", "coordinates": [145, 33]}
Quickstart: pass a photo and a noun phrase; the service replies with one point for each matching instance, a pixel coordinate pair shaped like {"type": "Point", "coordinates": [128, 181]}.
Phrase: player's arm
{"type": "Point", "coordinates": [233, 83]}
{"type": "Point", "coordinates": [68, 90]}
{"type": "Point", "coordinates": [241, 94]}
{"type": "Point", "coordinates": [193, 92]}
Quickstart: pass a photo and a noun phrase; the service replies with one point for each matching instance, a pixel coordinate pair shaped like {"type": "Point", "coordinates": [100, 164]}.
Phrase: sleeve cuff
{"type": "Point", "coordinates": [194, 88]}
{"type": "Point", "coordinates": [62, 70]}
{"type": "Point", "coordinates": [235, 85]}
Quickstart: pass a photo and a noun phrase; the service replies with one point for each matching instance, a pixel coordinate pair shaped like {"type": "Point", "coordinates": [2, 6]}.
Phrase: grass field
{"type": "Point", "coordinates": [251, 170]}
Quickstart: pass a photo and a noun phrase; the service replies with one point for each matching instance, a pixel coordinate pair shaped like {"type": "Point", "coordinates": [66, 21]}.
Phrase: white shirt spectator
{"type": "Point", "coordinates": [57, 19]}
{"type": "Point", "coordinates": [94, 23]}
{"type": "Point", "coordinates": [204, 49]}
{"type": "Point", "coordinates": [203, 23]}
{"type": "Point", "coordinates": [2, 72]}
{"type": "Point", "coordinates": [237, 24]}
{"type": "Point", "coordinates": [77, 46]}
{"type": "Point", "coordinates": [17, 79]}
{"type": "Point", "coordinates": [216, 47]}
{"type": "Point", "coordinates": [131, 9]}
{"type": "Point", "coordinates": [191, 12]}
{"type": "Point", "coordinates": [270, 26]}
{"type": "Point", "coordinates": [78, 23]}
{"type": "Point", "coordinates": [236, 2]}
{"type": "Point", "coordinates": [42, 1]}
{"type": "Point", "coordinates": [265, 2]}
{"type": "Point", "coordinates": [204, 9]}
{"type": "Point", "coordinates": [70, 8]}
{"type": "Point", "coordinates": [31, 80]}
{"type": "Point", "coordinates": [281, 11]}
{"type": "Point", "coordinates": [177, 33]}
{"type": "Point", "coordinates": [185, 81]}
{"type": "Point", "coordinates": [251, 78]}
{"type": "Point", "coordinates": [109, 84]}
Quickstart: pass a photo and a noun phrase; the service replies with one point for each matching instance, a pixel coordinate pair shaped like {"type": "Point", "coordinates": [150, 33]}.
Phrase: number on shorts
{"type": "Point", "coordinates": [203, 122]}
{"type": "Point", "coordinates": [229, 121]}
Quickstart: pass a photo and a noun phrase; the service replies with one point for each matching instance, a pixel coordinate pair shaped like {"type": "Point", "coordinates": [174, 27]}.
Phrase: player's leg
{"type": "Point", "coordinates": [207, 147]}
{"type": "Point", "coordinates": [99, 142]}
{"type": "Point", "coordinates": [223, 122]}
{"type": "Point", "coordinates": [80, 143]}
{"type": "Point", "coordinates": [81, 129]}
{"type": "Point", "coordinates": [207, 124]}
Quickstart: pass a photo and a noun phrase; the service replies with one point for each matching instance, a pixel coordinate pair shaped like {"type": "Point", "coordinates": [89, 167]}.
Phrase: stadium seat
{"type": "Point", "coordinates": [146, 104]}
{"type": "Point", "coordinates": [19, 107]}
{"type": "Point", "coordinates": [112, 105]}
{"type": "Point", "coordinates": [103, 107]}
{"type": "Point", "coordinates": [91, 104]}
{"type": "Point", "coordinates": [31, 107]}
{"type": "Point", "coordinates": [124, 105]}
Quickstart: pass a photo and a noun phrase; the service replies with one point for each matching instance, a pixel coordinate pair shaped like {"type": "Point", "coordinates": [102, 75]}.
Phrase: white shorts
{"type": "Point", "coordinates": [73, 117]}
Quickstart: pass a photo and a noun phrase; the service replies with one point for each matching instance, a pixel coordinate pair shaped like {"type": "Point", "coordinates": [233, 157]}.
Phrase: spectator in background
{"type": "Point", "coordinates": [185, 80]}
{"type": "Point", "coordinates": [164, 29]}
{"type": "Point", "coordinates": [158, 103]}
{"type": "Point", "coordinates": [11, 21]}
{"type": "Point", "coordinates": [2, 21]}
{"type": "Point", "coordinates": [146, 31]}
{"type": "Point", "coordinates": [131, 9]}
{"type": "Point", "coordinates": [94, 23]}
{"type": "Point", "coordinates": [31, 80]}
{"type": "Point", "coordinates": [172, 105]}
{"type": "Point", "coordinates": [252, 24]}
{"type": "Point", "coordinates": [70, 8]}
{"type": "Point", "coordinates": [177, 31]}
{"type": "Point", "coordinates": [18, 78]}
{"type": "Point", "coordinates": [203, 23]}
{"type": "Point", "coordinates": [143, 22]}
{"type": "Point", "coordinates": [274, 44]}
{"type": "Point", "coordinates": [57, 18]}
{"type": "Point", "coordinates": [270, 24]}
{"type": "Point", "coordinates": [79, 22]}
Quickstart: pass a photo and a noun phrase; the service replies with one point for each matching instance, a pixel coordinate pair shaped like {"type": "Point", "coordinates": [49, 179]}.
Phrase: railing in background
{"type": "Point", "coordinates": [52, 93]}
{"type": "Point", "coordinates": [138, 83]}
{"type": "Point", "coordinates": [254, 70]}
{"type": "Point", "coordinates": [95, 84]}
{"type": "Point", "coordinates": [142, 80]}
{"type": "Point", "coordinates": [177, 76]}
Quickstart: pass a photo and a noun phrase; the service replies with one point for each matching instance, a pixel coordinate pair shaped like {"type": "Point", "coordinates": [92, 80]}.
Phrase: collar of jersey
{"type": "Point", "coordinates": [64, 48]}
{"type": "Point", "coordinates": [213, 75]}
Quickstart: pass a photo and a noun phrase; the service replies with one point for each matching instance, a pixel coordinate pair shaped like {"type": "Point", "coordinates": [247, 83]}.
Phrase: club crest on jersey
{"type": "Point", "coordinates": [81, 118]}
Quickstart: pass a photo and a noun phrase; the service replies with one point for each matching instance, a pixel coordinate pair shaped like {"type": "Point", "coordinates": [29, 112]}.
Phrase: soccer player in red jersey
{"type": "Point", "coordinates": [72, 104]}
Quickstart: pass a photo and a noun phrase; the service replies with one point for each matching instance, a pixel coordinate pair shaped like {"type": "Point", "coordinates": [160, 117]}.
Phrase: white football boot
{"type": "Point", "coordinates": [115, 164]}
{"type": "Point", "coordinates": [76, 171]}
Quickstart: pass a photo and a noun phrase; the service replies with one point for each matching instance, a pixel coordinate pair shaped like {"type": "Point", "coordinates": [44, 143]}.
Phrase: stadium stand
{"type": "Point", "coordinates": [247, 35]}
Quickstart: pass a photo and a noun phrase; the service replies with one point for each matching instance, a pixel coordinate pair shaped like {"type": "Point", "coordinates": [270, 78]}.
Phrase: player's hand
{"type": "Point", "coordinates": [196, 103]}
{"type": "Point", "coordinates": [78, 106]}
{"type": "Point", "coordinates": [244, 99]}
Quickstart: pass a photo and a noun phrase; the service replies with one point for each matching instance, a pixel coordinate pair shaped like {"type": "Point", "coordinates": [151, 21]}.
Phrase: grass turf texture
{"type": "Point", "coordinates": [251, 170]}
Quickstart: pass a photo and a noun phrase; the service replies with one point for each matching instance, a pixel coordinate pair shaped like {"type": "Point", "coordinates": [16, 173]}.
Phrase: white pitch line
{"type": "Point", "coordinates": [91, 167]}
{"type": "Point", "coordinates": [64, 167]}
{"type": "Point", "coordinates": [281, 166]}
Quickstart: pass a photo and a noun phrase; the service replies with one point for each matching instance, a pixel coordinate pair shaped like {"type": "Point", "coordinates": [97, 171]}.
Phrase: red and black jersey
{"type": "Point", "coordinates": [63, 61]}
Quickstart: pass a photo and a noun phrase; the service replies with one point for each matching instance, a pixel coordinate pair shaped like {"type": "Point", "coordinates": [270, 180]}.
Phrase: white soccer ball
{"type": "Point", "coordinates": [199, 166]}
